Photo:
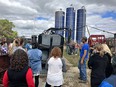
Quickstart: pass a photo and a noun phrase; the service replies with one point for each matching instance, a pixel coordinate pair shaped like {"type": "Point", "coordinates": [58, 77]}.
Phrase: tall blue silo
{"type": "Point", "coordinates": [70, 21]}
{"type": "Point", "coordinates": [59, 21]}
{"type": "Point", "coordinates": [81, 24]}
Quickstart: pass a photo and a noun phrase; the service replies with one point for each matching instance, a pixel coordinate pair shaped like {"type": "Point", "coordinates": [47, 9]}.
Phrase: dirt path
{"type": "Point", "coordinates": [70, 77]}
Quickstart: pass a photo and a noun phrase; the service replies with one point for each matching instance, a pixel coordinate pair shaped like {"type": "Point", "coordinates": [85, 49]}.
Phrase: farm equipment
{"type": "Point", "coordinates": [94, 39]}
{"type": "Point", "coordinates": [47, 40]}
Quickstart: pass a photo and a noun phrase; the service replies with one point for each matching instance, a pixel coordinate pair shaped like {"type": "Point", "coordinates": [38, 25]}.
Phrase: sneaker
{"type": "Point", "coordinates": [82, 81]}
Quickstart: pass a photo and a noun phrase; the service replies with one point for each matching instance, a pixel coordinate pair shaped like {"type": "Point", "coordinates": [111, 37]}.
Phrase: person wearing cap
{"type": "Point", "coordinates": [83, 59]}
{"type": "Point", "coordinates": [110, 81]}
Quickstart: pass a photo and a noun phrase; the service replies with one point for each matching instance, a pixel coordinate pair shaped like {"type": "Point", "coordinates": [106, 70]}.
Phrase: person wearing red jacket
{"type": "Point", "coordinates": [18, 74]}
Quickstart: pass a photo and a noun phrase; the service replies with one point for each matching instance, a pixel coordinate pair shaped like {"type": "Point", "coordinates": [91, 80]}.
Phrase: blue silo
{"type": "Point", "coordinates": [59, 21]}
{"type": "Point", "coordinates": [81, 24]}
{"type": "Point", "coordinates": [70, 21]}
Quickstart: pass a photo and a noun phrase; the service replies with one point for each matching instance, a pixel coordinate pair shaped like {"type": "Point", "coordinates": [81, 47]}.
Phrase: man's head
{"type": "Point", "coordinates": [84, 39]}
{"type": "Point", "coordinates": [34, 45]}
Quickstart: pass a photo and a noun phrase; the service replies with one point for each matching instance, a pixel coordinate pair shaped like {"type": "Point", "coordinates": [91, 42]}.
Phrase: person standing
{"type": "Point", "coordinates": [4, 47]}
{"type": "Point", "coordinates": [18, 74]}
{"type": "Point", "coordinates": [55, 74]}
{"type": "Point", "coordinates": [28, 45]}
{"type": "Point", "coordinates": [21, 43]}
{"type": "Point", "coordinates": [111, 80]}
{"type": "Point", "coordinates": [97, 63]}
{"type": "Point", "coordinates": [13, 47]}
{"type": "Point", "coordinates": [108, 53]}
{"type": "Point", "coordinates": [35, 57]}
{"type": "Point", "coordinates": [76, 48]}
{"type": "Point", "coordinates": [83, 59]}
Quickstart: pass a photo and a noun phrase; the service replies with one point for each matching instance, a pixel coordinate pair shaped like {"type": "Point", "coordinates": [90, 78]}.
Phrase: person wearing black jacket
{"type": "Point", "coordinates": [111, 80]}
{"type": "Point", "coordinates": [109, 68]}
{"type": "Point", "coordinates": [97, 63]}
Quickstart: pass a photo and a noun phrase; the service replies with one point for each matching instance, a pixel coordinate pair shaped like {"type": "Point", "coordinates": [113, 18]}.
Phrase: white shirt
{"type": "Point", "coordinates": [55, 75]}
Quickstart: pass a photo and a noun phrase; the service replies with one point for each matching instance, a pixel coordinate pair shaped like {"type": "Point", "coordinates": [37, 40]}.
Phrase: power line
{"type": "Point", "coordinates": [100, 30]}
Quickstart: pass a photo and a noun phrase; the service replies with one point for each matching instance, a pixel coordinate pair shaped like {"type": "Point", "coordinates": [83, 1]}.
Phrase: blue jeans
{"type": "Point", "coordinates": [76, 50]}
{"type": "Point", "coordinates": [82, 69]}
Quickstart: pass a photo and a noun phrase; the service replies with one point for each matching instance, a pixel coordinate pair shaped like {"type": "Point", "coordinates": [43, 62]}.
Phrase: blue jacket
{"type": "Point", "coordinates": [109, 82]}
{"type": "Point", "coordinates": [35, 57]}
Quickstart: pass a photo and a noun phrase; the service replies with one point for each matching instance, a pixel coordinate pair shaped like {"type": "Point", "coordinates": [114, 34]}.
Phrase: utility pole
{"type": "Point", "coordinates": [115, 43]}
{"type": "Point", "coordinates": [69, 35]}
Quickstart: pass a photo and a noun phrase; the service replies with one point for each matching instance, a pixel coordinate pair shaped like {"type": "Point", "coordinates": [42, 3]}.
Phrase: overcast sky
{"type": "Point", "coordinates": [35, 16]}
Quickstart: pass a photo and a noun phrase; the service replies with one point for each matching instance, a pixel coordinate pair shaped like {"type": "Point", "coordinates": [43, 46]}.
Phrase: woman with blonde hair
{"type": "Point", "coordinates": [97, 63]}
{"type": "Point", "coordinates": [55, 74]}
{"type": "Point", "coordinates": [13, 46]}
{"type": "Point", "coordinates": [109, 68]}
{"type": "Point", "coordinates": [106, 49]}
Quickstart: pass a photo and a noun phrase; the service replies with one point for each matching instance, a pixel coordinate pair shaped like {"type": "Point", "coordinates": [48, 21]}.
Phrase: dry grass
{"type": "Point", "coordinates": [73, 59]}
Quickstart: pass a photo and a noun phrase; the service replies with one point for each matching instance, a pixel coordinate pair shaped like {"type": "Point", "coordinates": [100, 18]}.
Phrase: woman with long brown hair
{"type": "Point", "coordinates": [97, 63]}
{"type": "Point", "coordinates": [18, 74]}
{"type": "Point", "coordinates": [55, 75]}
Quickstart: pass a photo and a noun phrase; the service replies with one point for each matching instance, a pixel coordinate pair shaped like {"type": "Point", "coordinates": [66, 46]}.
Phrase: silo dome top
{"type": "Point", "coordinates": [83, 7]}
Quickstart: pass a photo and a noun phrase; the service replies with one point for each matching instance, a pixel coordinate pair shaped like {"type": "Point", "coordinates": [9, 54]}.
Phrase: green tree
{"type": "Point", "coordinates": [6, 29]}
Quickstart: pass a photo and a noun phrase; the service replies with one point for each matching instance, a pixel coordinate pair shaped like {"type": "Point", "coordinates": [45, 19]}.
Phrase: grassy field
{"type": "Point", "coordinates": [73, 59]}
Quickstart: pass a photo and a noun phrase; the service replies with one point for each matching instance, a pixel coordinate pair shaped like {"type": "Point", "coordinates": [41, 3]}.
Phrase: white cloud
{"type": "Point", "coordinates": [106, 24]}
{"type": "Point", "coordinates": [23, 14]}
{"type": "Point", "coordinates": [25, 24]}
{"type": "Point", "coordinates": [30, 27]}
{"type": "Point", "coordinates": [99, 9]}
{"type": "Point", "coordinates": [99, 2]}
{"type": "Point", "coordinates": [15, 9]}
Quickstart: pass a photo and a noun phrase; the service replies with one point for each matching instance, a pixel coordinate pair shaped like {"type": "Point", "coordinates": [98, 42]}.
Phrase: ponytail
{"type": "Point", "coordinates": [99, 48]}
{"type": "Point", "coordinates": [102, 53]}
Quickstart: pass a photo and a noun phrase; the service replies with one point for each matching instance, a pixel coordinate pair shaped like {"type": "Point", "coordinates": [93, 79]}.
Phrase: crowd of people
{"type": "Point", "coordinates": [102, 67]}
{"type": "Point", "coordinates": [98, 58]}
{"type": "Point", "coordinates": [26, 65]}
{"type": "Point", "coordinates": [103, 70]}
{"type": "Point", "coordinates": [73, 48]}
{"type": "Point", "coordinates": [3, 47]}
